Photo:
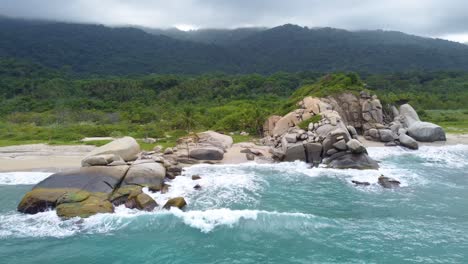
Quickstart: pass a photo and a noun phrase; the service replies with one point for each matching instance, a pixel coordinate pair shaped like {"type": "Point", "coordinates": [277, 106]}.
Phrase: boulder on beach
{"type": "Point", "coordinates": [418, 130]}
{"type": "Point", "coordinates": [127, 148]}
{"type": "Point", "coordinates": [207, 153]}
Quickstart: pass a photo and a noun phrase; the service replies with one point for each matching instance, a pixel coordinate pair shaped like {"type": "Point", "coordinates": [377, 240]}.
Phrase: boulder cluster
{"type": "Point", "coordinates": [115, 174]}
{"type": "Point", "coordinates": [325, 130]}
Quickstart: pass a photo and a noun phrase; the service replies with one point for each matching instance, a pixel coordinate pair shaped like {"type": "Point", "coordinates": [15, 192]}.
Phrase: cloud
{"type": "Point", "coordinates": [422, 17]}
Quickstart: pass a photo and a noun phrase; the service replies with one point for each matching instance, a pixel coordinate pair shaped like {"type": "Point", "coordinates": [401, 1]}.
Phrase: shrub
{"type": "Point", "coordinates": [305, 123]}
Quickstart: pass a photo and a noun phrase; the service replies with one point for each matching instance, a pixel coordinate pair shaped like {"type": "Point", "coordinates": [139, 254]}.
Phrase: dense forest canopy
{"type": "Point", "coordinates": [42, 102]}
{"type": "Point", "coordinates": [86, 50]}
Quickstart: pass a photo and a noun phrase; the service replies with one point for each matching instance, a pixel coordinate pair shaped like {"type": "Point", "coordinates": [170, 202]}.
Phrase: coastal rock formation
{"type": "Point", "coordinates": [88, 186]}
{"type": "Point", "coordinates": [328, 138]}
{"type": "Point", "coordinates": [334, 122]}
{"type": "Point", "coordinates": [100, 184]}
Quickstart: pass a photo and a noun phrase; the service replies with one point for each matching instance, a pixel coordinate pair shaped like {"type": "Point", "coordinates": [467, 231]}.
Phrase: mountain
{"type": "Point", "coordinates": [88, 49]}
{"type": "Point", "coordinates": [208, 36]}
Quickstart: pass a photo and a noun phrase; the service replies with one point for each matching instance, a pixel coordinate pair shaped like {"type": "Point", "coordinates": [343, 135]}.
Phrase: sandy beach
{"type": "Point", "coordinates": [43, 157]}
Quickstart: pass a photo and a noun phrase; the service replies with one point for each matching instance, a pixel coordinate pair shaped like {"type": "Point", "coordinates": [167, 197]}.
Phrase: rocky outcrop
{"type": "Point", "coordinates": [328, 138]}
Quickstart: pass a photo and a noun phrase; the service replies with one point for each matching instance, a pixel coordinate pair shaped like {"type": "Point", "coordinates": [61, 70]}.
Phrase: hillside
{"type": "Point", "coordinates": [87, 49]}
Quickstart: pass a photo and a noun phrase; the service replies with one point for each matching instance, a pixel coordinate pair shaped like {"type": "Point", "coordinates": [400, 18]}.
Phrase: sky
{"type": "Point", "coordinates": [446, 19]}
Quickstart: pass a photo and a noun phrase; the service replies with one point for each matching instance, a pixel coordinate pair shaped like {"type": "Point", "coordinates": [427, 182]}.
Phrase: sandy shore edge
{"type": "Point", "coordinates": [45, 158]}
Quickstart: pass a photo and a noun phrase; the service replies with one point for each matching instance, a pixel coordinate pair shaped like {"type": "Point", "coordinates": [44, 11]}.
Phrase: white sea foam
{"type": "Point", "coordinates": [22, 178]}
{"type": "Point", "coordinates": [447, 156]}
{"type": "Point", "coordinates": [208, 220]}
{"type": "Point", "coordinates": [48, 224]}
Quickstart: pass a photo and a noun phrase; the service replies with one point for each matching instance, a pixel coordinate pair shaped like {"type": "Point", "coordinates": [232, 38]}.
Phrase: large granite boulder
{"type": "Point", "coordinates": [145, 174]}
{"type": "Point", "coordinates": [426, 132]}
{"type": "Point", "coordinates": [215, 139]}
{"type": "Point", "coordinates": [420, 131]}
{"type": "Point", "coordinates": [127, 148]}
{"type": "Point", "coordinates": [207, 153]}
{"type": "Point", "coordinates": [97, 183]}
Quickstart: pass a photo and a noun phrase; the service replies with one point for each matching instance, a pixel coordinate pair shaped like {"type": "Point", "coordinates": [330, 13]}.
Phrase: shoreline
{"type": "Point", "coordinates": [46, 158]}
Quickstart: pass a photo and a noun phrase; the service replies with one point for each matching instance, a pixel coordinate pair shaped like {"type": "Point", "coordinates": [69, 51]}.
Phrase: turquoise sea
{"type": "Point", "coordinates": [259, 213]}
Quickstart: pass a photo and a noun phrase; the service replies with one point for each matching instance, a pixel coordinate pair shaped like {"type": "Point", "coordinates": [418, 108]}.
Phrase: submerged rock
{"type": "Point", "coordinates": [388, 183]}
{"type": "Point", "coordinates": [360, 183]}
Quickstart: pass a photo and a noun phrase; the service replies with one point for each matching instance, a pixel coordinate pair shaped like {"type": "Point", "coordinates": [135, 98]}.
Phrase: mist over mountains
{"type": "Point", "coordinates": [88, 49]}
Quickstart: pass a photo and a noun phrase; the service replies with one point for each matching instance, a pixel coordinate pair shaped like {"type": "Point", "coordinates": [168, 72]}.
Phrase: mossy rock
{"type": "Point", "coordinates": [91, 206]}
{"type": "Point", "coordinates": [145, 202]}
{"type": "Point", "coordinates": [178, 202]}
{"type": "Point", "coordinates": [42, 199]}
{"type": "Point", "coordinates": [73, 197]}
{"type": "Point", "coordinates": [122, 194]}
{"type": "Point", "coordinates": [159, 188]}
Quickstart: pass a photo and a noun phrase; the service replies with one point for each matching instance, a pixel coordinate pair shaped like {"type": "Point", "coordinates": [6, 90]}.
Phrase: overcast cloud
{"type": "Point", "coordinates": [436, 18]}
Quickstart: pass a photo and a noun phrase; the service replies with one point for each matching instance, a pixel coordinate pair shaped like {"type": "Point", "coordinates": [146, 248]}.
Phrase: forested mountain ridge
{"type": "Point", "coordinates": [87, 49]}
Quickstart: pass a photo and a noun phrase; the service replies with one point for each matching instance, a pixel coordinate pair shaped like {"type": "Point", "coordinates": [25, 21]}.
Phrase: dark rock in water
{"type": "Point", "coordinates": [196, 177]}
{"type": "Point", "coordinates": [353, 161]}
{"type": "Point", "coordinates": [178, 202]}
{"type": "Point", "coordinates": [313, 153]}
{"type": "Point", "coordinates": [159, 188]}
{"type": "Point", "coordinates": [145, 202]}
{"type": "Point", "coordinates": [361, 183]}
{"type": "Point", "coordinates": [173, 171]}
{"type": "Point", "coordinates": [295, 152]}
{"type": "Point", "coordinates": [140, 201]}
{"type": "Point", "coordinates": [388, 183]}
{"type": "Point", "coordinates": [197, 187]}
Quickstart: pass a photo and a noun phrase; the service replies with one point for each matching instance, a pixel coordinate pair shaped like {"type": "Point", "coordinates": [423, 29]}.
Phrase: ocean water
{"type": "Point", "coordinates": [258, 213]}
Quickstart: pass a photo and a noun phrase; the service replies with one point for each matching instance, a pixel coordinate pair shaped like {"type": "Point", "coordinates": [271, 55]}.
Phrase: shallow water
{"type": "Point", "coordinates": [252, 213]}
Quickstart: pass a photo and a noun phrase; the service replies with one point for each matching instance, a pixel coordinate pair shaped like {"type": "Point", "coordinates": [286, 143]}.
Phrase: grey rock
{"type": "Point", "coordinates": [145, 174]}
{"type": "Point", "coordinates": [207, 153]}
{"type": "Point", "coordinates": [127, 148]}
{"type": "Point", "coordinates": [313, 153]}
{"type": "Point", "coordinates": [295, 152]}
{"type": "Point", "coordinates": [340, 145]}
{"type": "Point", "coordinates": [407, 141]}
{"type": "Point", "coordinates": [388, 183]}
{"type": "Point", "coordinates": [386, 135]}
{"type": "Point", "coordinates": [355, 146]}
{"type": "Point", "coordinates": [353, 161]}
